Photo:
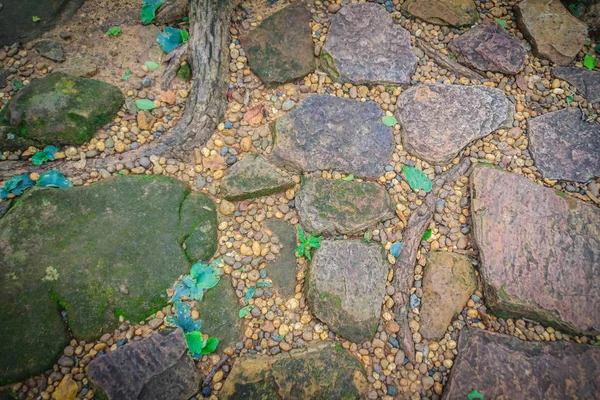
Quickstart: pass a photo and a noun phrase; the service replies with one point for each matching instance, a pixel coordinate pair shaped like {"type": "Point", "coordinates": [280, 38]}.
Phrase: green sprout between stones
{"type": "Point", "coordinates": [306, 244]}
{"type": "Point", "coordinates": [114, 31]}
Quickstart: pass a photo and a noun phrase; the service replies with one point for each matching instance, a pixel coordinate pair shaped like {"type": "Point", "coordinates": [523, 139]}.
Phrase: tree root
{"type": "Point", "coordinates": [449, 64]}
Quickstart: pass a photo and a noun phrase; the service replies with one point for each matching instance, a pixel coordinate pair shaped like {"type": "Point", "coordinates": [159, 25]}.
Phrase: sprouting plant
{"type": "Point", "coordinates": [114, 31]}
{"type": "Point", "coordinates": [45, 155]}
{"type": "Point", "coordinates": [307, 243]}
{"type": "Point", "coordinates": [452, 56]}
{"type": "Point", "coordinates": [191, 328]}
{"type": "Point", "coordinates": [201, 278]}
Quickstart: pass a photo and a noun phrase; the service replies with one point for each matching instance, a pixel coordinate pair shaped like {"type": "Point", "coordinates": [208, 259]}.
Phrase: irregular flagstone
{"type": "Point", "coordinates": [366, 46]}
{"type": "Point", "coordinates": [346, 285]}
{"type": "Point", "coordinates": [586, 81]}
{"type": "Point", "coordinates": [565, 147]}
{"type": "Point", "coordinates": [503, 366]}
{"type": "Point", "coordinates": [111, 248]}
{"type": "Point", "coordinates": [253, 177]}
{"type": "Point", "coordinates": [51, 50]}
{"type": "Point", "coordinates": [281, 48]}
{"type": "Point", "coordinates": [327, 132]}
{"type": "Point", "coordinates": [438, 121]}
{"type": "Point", "coordinates": [554, 33]}
{"type": "Point", "coordinates": [58, 109]}
{"type": "Point", "coordinates": [443, 12]}
{"type": "Point", "coordinates": [344, 207]}
{"type": "Point", "coordinates": [489, 47]}
{"type": "Point", "coordinates": [78, 66]}
{"type": "Point", "coordinates": [157, 367]}
{"type": "Point", "coordinates": [540, 252]}
{"type": "Point", "coordinates": [317, 371]}
{"type": "Point", "coordinates": [448, 282]}
{"type": "Point", "coordinates": [283, 269]}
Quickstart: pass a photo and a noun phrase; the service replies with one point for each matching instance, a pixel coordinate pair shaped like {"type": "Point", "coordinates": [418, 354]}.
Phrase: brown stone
{"type": "Point", "coordinates": [168, 97]}
{"type": "Point", "coordinates": [586, 81]}
{"type": "Point", "coordinates": [67, 389]}
{"type": "Point", "coordinates": [443, 12]}
{"type": "Point", "coordinates": [501, 367]}
{"type": "Point", "coordinates": [489, 47]}
{"type": "Point", "coordinates": [448, 282]}
{"type": "Point", "coordinates": [145, 120]}
{"type": "Point", "coordinates": [553, 32]}
{"type": "Point", "coordinates": [539, 251]}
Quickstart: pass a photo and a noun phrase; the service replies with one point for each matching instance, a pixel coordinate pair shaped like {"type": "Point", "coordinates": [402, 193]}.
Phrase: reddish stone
{"type": "Point", "coordinates": [504, 367]}
{"type": "Point", "coordinates": [540, 252]}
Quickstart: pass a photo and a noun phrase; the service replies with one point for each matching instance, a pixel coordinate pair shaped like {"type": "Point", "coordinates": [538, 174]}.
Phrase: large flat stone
{"type": "Point", "coordinates": [448, 282]}
{"type": "Point", "coordinates": [157, 367]}
{"type": "Point", "coordinates": [253, 177]}
{"type": "Point", "coordinates": [284, 268]}
{"type": "Point", "coordinates": [565, 147]}
{"type": "Point", "coordinates": [345, 287]}
{"type": "Point", "coordinates": [540, 252]}
{"type": "Point", "coordinates": [99, 251]}
{"type": "Point", "coordinates": [365, 46]}
{"type": "Point", "coordinates": [489, 47]}
{"type": "Point", "coordinates": [554, 33]}
{"type": "Point", "coordinates": [332, 133]}
{"type": "Point", "coordinates": [586, 81]}
{"type": "Point", "coordinates": [443, 12]}
{"type": "Point", "coordinates": [321, 371]}
{"type": "Point", "coordinates": [342, 207]}
{"type": "Point", "coordinates": [500, 366]}
{"type": "Point", "coordinates": [438, 121]}
{"type": "Point", "coordinates": [281, 48]}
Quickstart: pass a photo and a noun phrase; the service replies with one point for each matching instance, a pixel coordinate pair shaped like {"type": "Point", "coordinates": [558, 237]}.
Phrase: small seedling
{"type": "Point", "coordinates": [191, 328]}
{"type": "Point", "coordinates": [114, 31]}
{"type": "Point", "coordinates": [35, 18]}
{"type": "Point", "coordinates": [307, 243]}
{"type": "Point", "coordinates": [452, 56]}
{"type": "Point", "coordinates": [201, 278]}
{"type": "Point", "coordinates": [126, 76]}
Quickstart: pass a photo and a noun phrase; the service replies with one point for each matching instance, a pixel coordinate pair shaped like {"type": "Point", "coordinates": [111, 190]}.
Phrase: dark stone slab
{"type": "Point", "coordinates": [51, 50]}
{"type": "Point", "coordinates": [443, 12]}
{"type": "Point", "coordinates": [338, 206]}
{"type": "Point", "coordinates": [501, 366]}
{"type": "Point", "coordinates": [366, 46]}
{"type": "Point", "coordinates": [327, 132]}
{"type": "Point", "coordinates": [198, 227]}
{"type": "Point", "coordinates": [540, 252]}
{"type": "Point", "coordinates": [321, 371]}
{"type": "Point", "coordinates": [281, 48]}
{"type": "Point", "coordinates": [438, 121]}
{"type": "Point", "coordinates": [553, 32]}
{"type": "Point", "coordinates": [586, 81]}
{"type": "Point", "coordinates": [346, 285]}
{"type": "Point", "coordinates": [284, 268]}
{"type": "Point", "coordinates": [157, 367]}
{"type": "Point", "coordinates": [565, 147]}
{"type": "Point", "coordinates": [489, 47]}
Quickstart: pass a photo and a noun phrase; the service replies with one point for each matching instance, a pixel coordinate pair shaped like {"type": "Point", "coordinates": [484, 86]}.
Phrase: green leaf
{"type": "Point", "coordinates": [184, 72]}
{"type": "Point", "coordinates": [35, 18]}
{"type": "Point", "coordinates": [348, 178]}
{"type": "Point", "coordinates": [589, 62]}
{"type": "Point", "coordinates": [149, 8]}
{"type": "Point", "coordinates": [301, 235]}
{"type": "Point", "coordinates": [114, 31]}
{"type": "Point", "coordinates": [249, 293]}
{"type": "Point", "coordinates": [169, 39]}
{"type": "Point", "coordinates": [417, 179]}
{"type": "Point", "coordinates": [39, 158]}
{"type": "Point", "coordinates": [452, 56]}
{"type": "Point", "coordinates": [184, 36]}
{"type": "Point", "coordinates": [299, 251]}
{"type": "Point", "coordinates": [367, 237]}
{"type": "Point", "coordinates": [211, 345]}
{"type": "Point", "coordinates": [475, 395]}
{"type": "Point", "coordinates": [144, 104]}
{"type": "Point", "coordinates": [195, 343]}
{"type": "Point", "coordinates": [388, 120]}
{"type": "Point", "coordinates": [206, 276]}
{"type": "Point", "coordinates": [185, 19]}
{"type": "Point", "coordinates": [55, 179]}
{"type": "Point", "coordinates": [244, 311]}
{"type": "Point", "coordinates": [151, 65]}
{"type": "Point", "coordinates": [426, 235]}
{"type": "Point", "coordinates": [126, 76]}
{"type": "Point", "coordinates": [569, 99]}
{"type": "Point", "coordinates": [501, 22]}
{"type": "Point", "coordinates": [307, 253]}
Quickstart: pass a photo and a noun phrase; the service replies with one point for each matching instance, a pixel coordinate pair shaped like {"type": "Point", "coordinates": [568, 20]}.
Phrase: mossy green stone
{"type": "Point", "coordinates": [199, 227]}
{"type": "Point", "coordinates": [59, 109]}
{"type": "Point", "coordinates": [99, 251]}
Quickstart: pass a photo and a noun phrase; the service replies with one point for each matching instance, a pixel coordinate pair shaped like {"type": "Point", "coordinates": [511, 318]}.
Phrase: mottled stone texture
{"type": "Point", "coordinates": [281, 48]}
{"type": "Point", "coordinates": [366, 46]}
{"type": "Point", "coordinates": [283, 269]}
{"type": "Point", "coordinates": [346, 285]}
{"type": "Point", "coordinates": [338, 206]}
{"type": "Point", "coordinates": [489, 47]}
{"type": "Point", "coordinates": [157, 367]}
{"type": "Point", "coordinates": [502, 367]}
{"type": "Point", "coordinates": [565, 147]}
{"type": "Point", "coordinates": [448, 282]}
{"type": "Point", "coordinates": [540, 252]}
{"type": "Point", "coordinates": [554, 33]}
{"type": "Point", "coordinates": [321, 371]}
{"type": "Point", "coordinates": [586, 81]}
{"type": "Point", "coordinates": [443, 12]}
{"type": "Point", "coordinates": [438, 121]}
{"type": "Point", "coordinates": [51, 50]}
{"type": "Point", "coordinates": [327, 132]}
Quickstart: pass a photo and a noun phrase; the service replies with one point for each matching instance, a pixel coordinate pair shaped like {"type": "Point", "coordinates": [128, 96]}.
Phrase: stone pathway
{"type": "Point", "coordinates": [343, 123]}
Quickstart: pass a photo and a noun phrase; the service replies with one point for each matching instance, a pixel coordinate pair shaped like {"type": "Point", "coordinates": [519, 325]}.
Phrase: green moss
{"type": "Point", "coordinates": [328, 64]}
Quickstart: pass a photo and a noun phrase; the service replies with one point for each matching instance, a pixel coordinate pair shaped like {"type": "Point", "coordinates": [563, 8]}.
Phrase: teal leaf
{"type": "Point", "coordinates": [249, 293]}
{"type": "Point", "coordinates": [244, 311]}
{"type": "Point", "coordinates": [183, 318]}
{"type": "Point", "coordinates": [589, 62]}
{"type": "Point", "coordinates": [149, 8]}
{"type": "Point", "coordinates": [144, 104]}
{"type": "Point", "coordinates": [475, 395]}
{"type": "Point", "coordinates": [181, 290]}
{"type": "Point", "coordinates": [17, 184]}
{"type": "Point", "coordinates": [205, 275]}
{"type": "Point", "coordinates": [3, 194]}
{"type": "Point", "coordinates": [195, 343]}
{"type": "Point", "coordinates": [50, 150]}
{"type": "Point", "coordinates": [417, 179]}
{"type": "Point", "coordinates": [388, 120]}
{"type": "Point", "coordinates": [264, 284]}
{"type": "Point", "coordinates": [151, 65]}
{"type": "Point", "coordinates": [39, 158]}
{"type": "Point", "coordinates": [54, 179]}
{"type": "Point", "coordinates": [348, 178]}
{"type": "Point", "coordinates": [501, 22]}
{"type": "Point", "coordinates": [396, 248]}
{"type": "Point", "coordinates": [211, 345]}
{"type": "Point", "coordinates": [169, 39]}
